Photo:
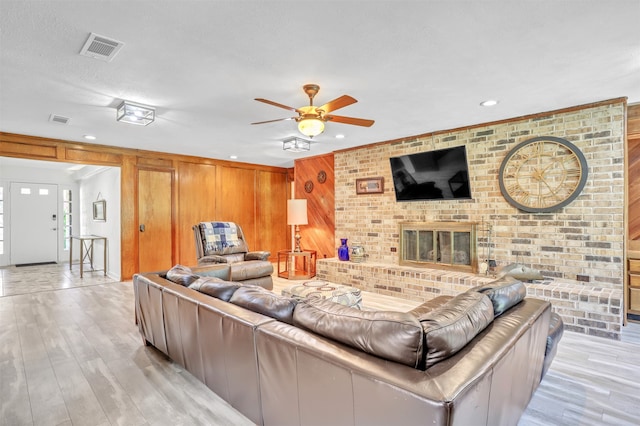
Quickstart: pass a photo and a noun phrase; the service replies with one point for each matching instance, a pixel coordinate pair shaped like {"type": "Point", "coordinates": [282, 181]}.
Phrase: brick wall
{"type": "Point", "coordinates": [579, 247]}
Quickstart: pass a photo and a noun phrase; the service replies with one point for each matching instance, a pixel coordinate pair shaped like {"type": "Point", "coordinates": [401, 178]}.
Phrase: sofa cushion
{"type": "Point", "coordinates": [258, 299]}
{"type": "Point", "coordinates": [504, 293]}
{"type": "Point", "coordinates": [395, 336]}
{"type": "Point", "coordinates": [251, 269]}
{"type": "Point", "coordinates": [257, 255]}
{"type": "Point", "coordinates": [448, 328]}
{"type": "Point", "coordinates": [219, 271]}
{"type": "Point", "coordinates": [182, 275]}
{"type": "Point", "coordinates": [430, 305]}
{"type": "Point", "coordinates": [556, 328]}
{"type": "Point", "coordinates": [215, 287]}
{"type": "Point", "coordinates": [212, 258]}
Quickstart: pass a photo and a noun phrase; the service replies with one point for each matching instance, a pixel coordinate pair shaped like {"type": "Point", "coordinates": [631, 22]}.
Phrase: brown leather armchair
{"type": "Point", "coordinates": [224, 242]}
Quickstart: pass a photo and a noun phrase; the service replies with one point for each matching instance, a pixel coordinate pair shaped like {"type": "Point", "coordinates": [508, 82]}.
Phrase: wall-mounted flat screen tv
{"type": "Point", "coordinates": [433, 175]}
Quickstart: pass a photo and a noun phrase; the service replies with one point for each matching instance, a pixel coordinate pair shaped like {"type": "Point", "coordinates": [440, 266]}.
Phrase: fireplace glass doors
{"type": "Point", "coordinates": [443, 245]}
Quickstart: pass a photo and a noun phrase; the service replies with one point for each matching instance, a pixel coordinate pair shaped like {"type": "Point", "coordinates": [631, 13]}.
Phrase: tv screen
{"type": "Point", "coordinates": [434, 175]}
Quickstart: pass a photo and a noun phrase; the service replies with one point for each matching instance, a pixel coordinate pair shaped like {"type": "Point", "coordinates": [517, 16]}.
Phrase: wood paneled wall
{"type": "Point", "coordinates": [319, 234]}
{"type": "Point", "coordinates": [196, 195]}
{"type": "Point", "coordinates": [272, 191]}
{"type": "Point", "coordinates": [633, 168]}
{"type": "Point", "coordinates": [252, 195]}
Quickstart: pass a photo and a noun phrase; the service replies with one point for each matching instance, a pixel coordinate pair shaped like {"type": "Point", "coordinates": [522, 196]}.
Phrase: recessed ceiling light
{"type": "Point", "coordinates": [340, 136]}
{"type": "Point", "coordinates": [233, 157]}
{"type": "Point", "coordinates": [490, 102]}
{"type": "Point", "coordinates": [90, 137]}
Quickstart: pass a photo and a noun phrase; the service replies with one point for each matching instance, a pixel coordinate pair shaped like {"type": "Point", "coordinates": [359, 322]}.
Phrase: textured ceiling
{"type": "Point", "coordinates": [414, 67]}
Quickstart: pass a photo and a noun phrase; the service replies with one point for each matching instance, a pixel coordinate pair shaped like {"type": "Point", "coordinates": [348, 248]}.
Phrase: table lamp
{"type": "Point", "coordinates": [297, 215]}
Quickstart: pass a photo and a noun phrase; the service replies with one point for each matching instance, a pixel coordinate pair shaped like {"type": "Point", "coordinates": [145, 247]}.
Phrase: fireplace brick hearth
{"type": "Point", "coordinates": [584, 308]}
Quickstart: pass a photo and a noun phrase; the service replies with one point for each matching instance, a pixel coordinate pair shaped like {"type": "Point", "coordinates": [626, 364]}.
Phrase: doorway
{"type": "Point", "coordinates": [34, 223]}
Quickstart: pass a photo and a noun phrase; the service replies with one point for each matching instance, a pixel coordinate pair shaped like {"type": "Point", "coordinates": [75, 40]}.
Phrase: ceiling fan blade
{"type": "Point", "coordinates": [273, 121]}
{"type": "Point", "coordinates": [349, 120]}
{"type": "Point", "coordinates": [341, 102]}
{"type": "Point", "coordinates": [267, 101]}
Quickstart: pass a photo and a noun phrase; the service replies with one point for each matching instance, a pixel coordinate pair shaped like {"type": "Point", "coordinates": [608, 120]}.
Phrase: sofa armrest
{"type": "Point", "coordinates": [213, 258]}
{"type": "Point", "coordinates": [257, 255]}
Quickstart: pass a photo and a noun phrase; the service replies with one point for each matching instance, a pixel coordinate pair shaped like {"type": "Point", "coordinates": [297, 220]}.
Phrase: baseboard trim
{"type": "Point", "coordinates": [20, 265]}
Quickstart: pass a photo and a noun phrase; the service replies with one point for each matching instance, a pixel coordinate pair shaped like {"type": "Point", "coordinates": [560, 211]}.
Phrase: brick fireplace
{"type": "Point", "coordinates": [579, 249]}
{"type": "Point", "coordinates": [439, 245]}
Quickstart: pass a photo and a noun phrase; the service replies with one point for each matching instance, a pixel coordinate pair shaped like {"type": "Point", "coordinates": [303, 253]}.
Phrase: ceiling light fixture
{"type": "Point", "coordinates": [295, 144]}
{"type": "Point", "coordinates": [490, 102]}
{"type": "Point", "coordinates": [131, 113]}
{"type": "Point", "coordinates": [311, 126]}
{"type": "Point", "coordinates": [340, 136]}
{"type": "Point", "coordinates": [89, 137]}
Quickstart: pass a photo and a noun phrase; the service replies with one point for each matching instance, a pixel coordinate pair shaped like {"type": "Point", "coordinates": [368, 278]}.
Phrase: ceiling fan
{"type": "Point", "coordinates": [311, 119]}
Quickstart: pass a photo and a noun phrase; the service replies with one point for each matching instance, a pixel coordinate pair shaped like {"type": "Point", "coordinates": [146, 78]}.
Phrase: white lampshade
{"type": "Point", "coordinates": [311, 127]}
{"type": "Point", "coordinates": [297, 212]}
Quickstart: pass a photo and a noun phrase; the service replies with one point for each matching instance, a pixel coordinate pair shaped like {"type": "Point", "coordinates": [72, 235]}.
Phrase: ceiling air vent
{"type": "Point", "coordinates": [100, 47]}
{"type": "Point", "coordinates": [59, 119]}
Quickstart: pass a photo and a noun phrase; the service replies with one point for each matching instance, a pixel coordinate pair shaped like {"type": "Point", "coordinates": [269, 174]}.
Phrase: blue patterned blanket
{"type": "Point", "coordinates": [218, 236]}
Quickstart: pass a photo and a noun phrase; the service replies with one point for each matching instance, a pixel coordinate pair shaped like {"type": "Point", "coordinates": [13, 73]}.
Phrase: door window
{"type": "Point", "coordinates": [67, 217]}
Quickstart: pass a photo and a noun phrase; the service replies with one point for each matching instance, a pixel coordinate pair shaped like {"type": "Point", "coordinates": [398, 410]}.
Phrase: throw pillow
{"type": "Point", "coordinates": [182, 275]}
{"type": "Point", "coordinates": [504, 293]}
{"type": "Point", "coordinates": [450, 327]}
{"type": "Point", "coordinates": [520, 272]}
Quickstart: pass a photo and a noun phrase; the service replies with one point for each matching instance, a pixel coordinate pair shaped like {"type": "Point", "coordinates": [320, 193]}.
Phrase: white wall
{"type": "Point", "coordinates": [103, 185]}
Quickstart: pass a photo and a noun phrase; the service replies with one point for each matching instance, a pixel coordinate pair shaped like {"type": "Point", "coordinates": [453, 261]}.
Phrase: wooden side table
{"type": "Point", "coordinates": [86, 251]}
{"type": "Point", "coordinates": [297, 265]}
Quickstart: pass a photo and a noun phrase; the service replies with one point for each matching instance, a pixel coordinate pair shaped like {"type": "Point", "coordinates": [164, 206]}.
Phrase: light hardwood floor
{"type": "Point", "coordinates": [70, 354]}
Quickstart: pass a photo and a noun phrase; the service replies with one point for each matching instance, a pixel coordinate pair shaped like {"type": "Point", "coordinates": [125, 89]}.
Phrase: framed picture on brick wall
{"type": "Point", "coordinates": [374, 185]}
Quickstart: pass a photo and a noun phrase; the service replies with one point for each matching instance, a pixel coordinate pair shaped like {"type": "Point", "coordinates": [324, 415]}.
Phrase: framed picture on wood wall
{"type": "Point", "coordinates": [374, 185]}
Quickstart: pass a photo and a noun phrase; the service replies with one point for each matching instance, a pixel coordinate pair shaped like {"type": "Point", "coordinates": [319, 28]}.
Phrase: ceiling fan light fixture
{"type": "Point", "coordinates": [129, 112]}
{"type": "Point", "coordinates": [311, 126]}
{"type": "Point", "coordinates": [295, 144]}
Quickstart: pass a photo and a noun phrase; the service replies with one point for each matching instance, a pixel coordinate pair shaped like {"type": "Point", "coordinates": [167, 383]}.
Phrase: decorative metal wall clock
{"type": "Point", "coordinates": [543, 174]}
{"type": "Point", "coordinates": [308, 186]}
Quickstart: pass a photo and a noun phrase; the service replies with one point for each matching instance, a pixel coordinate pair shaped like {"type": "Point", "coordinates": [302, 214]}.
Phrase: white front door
{"type": "Point", "coordinates": [34, 223]}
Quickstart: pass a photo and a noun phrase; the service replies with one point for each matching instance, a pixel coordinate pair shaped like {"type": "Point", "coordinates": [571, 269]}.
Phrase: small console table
{"type": "Point", "coordinates": [86, 251]}
{"type": "Point", "coordinates": [297, 265]}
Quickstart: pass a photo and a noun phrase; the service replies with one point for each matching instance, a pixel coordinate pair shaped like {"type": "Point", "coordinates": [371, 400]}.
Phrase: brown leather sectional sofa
{"type": "Point", "coordinates": [314, 362]}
